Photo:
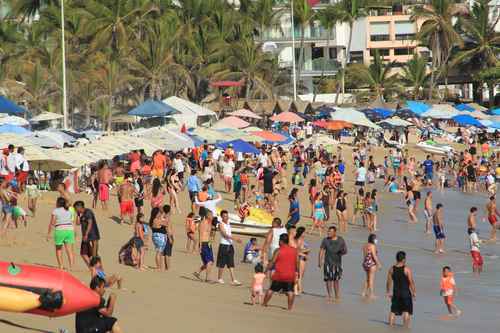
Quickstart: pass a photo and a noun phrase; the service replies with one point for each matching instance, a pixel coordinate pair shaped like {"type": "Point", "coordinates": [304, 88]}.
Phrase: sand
{"type": "Point", "coordinates": [174, 301]}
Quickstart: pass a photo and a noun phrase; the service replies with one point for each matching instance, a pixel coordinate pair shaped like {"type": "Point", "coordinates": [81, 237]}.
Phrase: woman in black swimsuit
{"type": "Point", "coordinates": [341, 210]}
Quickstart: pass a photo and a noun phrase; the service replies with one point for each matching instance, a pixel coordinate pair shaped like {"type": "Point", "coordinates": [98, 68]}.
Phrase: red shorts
{"type": "Point", "coordinates": [103, 192]}
{"type": "Point", "coordinates": [127, 207]}
{"type": "Point", "coordinates": [492, 219]}
{"type": "Point", "coordinates": [22, 176]}
{"type": "Point", "coordinates": [448, 300]}
{"type": "Point", "coordinates": [9, 177]}
{"type": "Point", "coordinates": [477, 259]}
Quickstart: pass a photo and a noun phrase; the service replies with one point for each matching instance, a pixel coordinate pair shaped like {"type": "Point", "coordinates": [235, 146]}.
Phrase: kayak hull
{"type": "Point", "coordinates": [439, 150]}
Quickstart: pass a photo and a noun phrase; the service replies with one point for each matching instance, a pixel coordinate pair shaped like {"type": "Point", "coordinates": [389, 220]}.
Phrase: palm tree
{"type": "Point", "coordinates": [483, 44]}
{"type": "Point", "coordinates": [438, 33]}
{"type": "Point", "coordinates": [328, 18]}
{"type": "Point", "coordinates": [415, 74]}
{"type": "Point", "coordinates": [27, 9]}
{"type": "Point", "coordinates": [377, 76]}
{"type": "Point", "coordinates": [490, 76]}
{"type": "Point", "coordinates": [303, 15]}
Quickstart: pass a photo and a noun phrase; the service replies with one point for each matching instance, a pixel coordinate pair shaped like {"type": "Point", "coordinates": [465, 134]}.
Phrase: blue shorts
{"type": "Point", "coordinates": [159, 241]}
{"type": "Point", "coordinates": [7, 209]}
{"type": "Point", "coordinates": [319, 215]}
{"type": "Point", "coordinates": [206, 253]}
{"type": "Point", "coordinates": [429, 176]}
{"type": "Point", "coordinates": [438, 232]}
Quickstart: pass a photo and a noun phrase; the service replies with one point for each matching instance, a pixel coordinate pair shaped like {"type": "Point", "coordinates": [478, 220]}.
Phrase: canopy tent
{"type": "Point", "coordinates": [188, 112]}
{"type": "Point", "coordinates": [406, 114]}
{"type": "Point", "coordinates": [441, 111]}
{"type": "Point", "coordinates": [464, 107]}
{"type": "Point", "coordinates": [7, 106]}
{"type": "Point", "coordinates": [466, 120]}
{"type": "Point", "coordinates": [251, 129]}
{"type": "Point", "coordinates": [324, 111]}
{"type": "Point", "coordinates": [417, 107]}
{"type": "Point", "coordinates": [239, 134]}
{"type": "Point", "coordinates": [46, 116]}
{"type": "Point", "coordinates": [354, 117]}
{"type": "Point", "coordinates": [244, 113]}
{"type": "Point", "coordinates": [162, 138]}
{"type": "Point", "coordinates": [287, 117]}
{"type": "Point", "coordinates": [14, 120]}
{"type": "Point", "coordinates": [332, 125]}
{"type": "Point", "coordinates": [8, 128]}
{"type": "Point", "coordinates": [270, 136]}
{"type": "Point", "coordinates": [288, 138]}
{"type": "Point", "coordinates": [317, 140]}
{"type": "Point", "coordinates": [152, 108]}
{"type": "Point", "coordinates": [396, 122]}
{"type": "Point", "coordinates": [239, 146]}
{"type": "Point", "coordinates": [231, 122]}
{"type": "Point", "coordinates": [376, 115]}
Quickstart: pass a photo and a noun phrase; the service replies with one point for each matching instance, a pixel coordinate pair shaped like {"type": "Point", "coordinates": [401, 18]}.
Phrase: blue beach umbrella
{"type": "Point", "coordinates": [495, 112]}
{"type": "Point", "coordinates": [466, 120]}
{"type": "Point", "coordinates": [7, 106]}
{"type": "Point", "coordinates": [152, 108]}
{"type": "Point", "coordinates": [239, 146]}
{"type": "Point", "coordinates": [417, 107]}
{"type": "Point", "coordinates": [464, 107]}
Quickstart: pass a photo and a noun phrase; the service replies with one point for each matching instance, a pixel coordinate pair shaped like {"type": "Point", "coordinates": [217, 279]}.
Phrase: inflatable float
{"type": "Point", "coordinates": [258, 223]}
{"type": "Point", "coordinates": [42, 290]}
{"type": "Point", "coordinates": [432, 147]}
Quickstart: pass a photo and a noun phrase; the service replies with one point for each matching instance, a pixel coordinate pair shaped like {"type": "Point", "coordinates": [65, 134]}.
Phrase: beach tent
{"type": "Point", "coordinates": [244, 113]}
{"type": "Point", "coordinates": [466, 120]}
{"type": "Point", "coordinates": [188, 112]}
{"type": "Point", "coordinates": [234, 133]}
{"type": "Point", "coordinates": [8, 128]}
{"type": "Point", "coordinates": [46, 116]}
{"type": "Point", "coordinates": [354, 117]}
{"type": "Point", "coordinates": [239, 146]}
{"type": "Point", "coordinates": [332, 125]}
{"type": "Point", "coordinates": [13, 120]}
{"type": "Point", "coordinates": [320, 139]}
{"type": "Point", "coordinates": [231, 122]}
{"type": "Point", "coordinates": [7, 106]}
{"type": "Point", "coordinates": [396, 122]}
{"type": "Point", "coordinates": [152, 108]}
{"type": "Point", "coordinates": [490, 124]}
{"type": "Point", "coordinates": [464, 107]}
{"type": "Point", "coordinates": [287, 117]}
{"type": "Point", "coordinates": [417, 107]}
{"type": "Point", "coordinates": [288, 138]}
{"type": "Point", "coordinates": [441, 111]}
{"type": "Point", "coordinates": [406, 114]}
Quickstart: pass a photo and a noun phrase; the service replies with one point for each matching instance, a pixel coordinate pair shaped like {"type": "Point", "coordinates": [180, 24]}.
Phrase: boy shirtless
{"type": "Point", "coordinates": [205, 246]}
{"type": "Point", "coordinates": [492, 212]}
{"type": "Point", "coordinates": [438, 227]}
{"type": "Point", "coordinates": [428, 212]}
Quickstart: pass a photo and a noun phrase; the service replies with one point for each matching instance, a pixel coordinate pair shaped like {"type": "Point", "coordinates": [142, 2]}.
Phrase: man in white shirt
{"type": "Point", "coordinates": [477, 259]}
{"type": "Point", "coordinates": [179, 167]}
{"type": "Point", "coordinates": [225, 255]}
{"type": "Point", "coordinates": [309, 130]}
{"type": "Point", "coordinates": [263, 159]}
{"type": "Point", "coordinates": [12, 162]}
{"type": "Point", "coordinates": [361, 175]}
{"type": "Point", "coordinates": [227, 166]}
{"type": "Point", "coordinates": [23, 168]}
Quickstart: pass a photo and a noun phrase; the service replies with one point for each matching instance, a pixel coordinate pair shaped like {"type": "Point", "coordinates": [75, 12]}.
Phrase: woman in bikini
{"type": "Point", "coordinates": [341, 210]}
{"type": "Point", "coordinates": [173, 187]}
{"type": "Point", "coordinates": [157, 193]}
{"type": "Point", "coordinates": [369, 212]}
{"type": "Point", "coordinates": [410, 203]}
{"type": "Point", "coordinates": [303, 251]}
{"type": "Point", "coordinates": [359, 206]}
{"type": "Point", "coordinates": [370, 265]}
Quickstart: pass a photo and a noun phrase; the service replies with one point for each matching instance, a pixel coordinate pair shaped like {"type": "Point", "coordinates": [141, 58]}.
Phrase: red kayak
{"type": "Point", "coordinates": [59, 293]}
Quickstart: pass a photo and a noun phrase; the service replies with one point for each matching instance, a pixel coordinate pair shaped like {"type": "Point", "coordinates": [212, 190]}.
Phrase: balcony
{"type": "Point", "coordinates": [315, 67]}
{"type": "Point", "coordinates": [311, 34]}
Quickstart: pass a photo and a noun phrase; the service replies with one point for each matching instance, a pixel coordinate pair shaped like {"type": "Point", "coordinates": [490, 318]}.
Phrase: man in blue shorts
{"type": "Point", "coordinates": [428, 166]}
{"type": "Point", "coordinates": [205, 246]}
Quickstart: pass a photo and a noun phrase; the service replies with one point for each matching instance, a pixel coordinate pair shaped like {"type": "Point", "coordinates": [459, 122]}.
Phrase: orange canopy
{"type": "Point", "coordinates": [270, 136]}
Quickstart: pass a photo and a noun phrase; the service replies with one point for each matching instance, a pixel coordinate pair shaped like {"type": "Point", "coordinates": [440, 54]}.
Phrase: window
{"type": "Point", "coordinates": [404, 51]}
{"type": "Point", "coordinates": [379, 38]}
{"type": "Point", "coordinates": [332, 52]}
{"type": "Point", "coordinates": [379, 31]}
{"type": "Point", "coordinates": [382, 52]}
{"type": "Point", "coordinates": [357, 57]}
{"type": "Point", "coordinates": [317, 52]}
{"type": "Point", "coordinates": [405, 36]}
{"type": "Point", "coordinates": [405, 30]}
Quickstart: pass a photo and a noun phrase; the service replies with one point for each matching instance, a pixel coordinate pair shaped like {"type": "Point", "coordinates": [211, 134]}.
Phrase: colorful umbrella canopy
{"type": "Point", "coordinates": [406, 114]}
{"type": "Point", "coordinates": [231, 122]}
{"type": "Point", "coordinates": [270, 136]}
{"type": "Point", "coordinates": [332, 125]}
{"type": "Point", "coordinates": [464, 107]}
{"type": "Point", "coordinates": [244, 113]}
{"type": "Point", "coordinates": [239, 146]}
{"type": "Point", "coordinates": [395, 122]}
{"type": "Point", "coordinates": [466, 120]}
{"type": "Point", "coordinates": [152, 108]}
{"type": "Point", "coordinates": [417, 107]}
{"type": "Point", "coordinates": [287, 117]}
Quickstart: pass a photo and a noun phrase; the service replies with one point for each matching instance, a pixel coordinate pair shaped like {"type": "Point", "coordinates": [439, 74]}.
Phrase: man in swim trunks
{"type": "Point", "coordinates": [205, 246]}
{"type": "Point", "coordinates": [104, 177]}
{"type": "Point", "coordinates": [90, 232]}
{"type": "Point", "coordinates": [492, 212]}
{"type": "Point", "coordinates": [438, 227]}
{"type": "Point", "coordinates": [127, 194]}
{"type": "Point", "coordinates": [428, 212]}
{"type": "Point", "coordinates": [332, 249]}
{"type": "Point", "coordinates": [477, 259]}
{"type": "Point", "coordinates": [98, 319]}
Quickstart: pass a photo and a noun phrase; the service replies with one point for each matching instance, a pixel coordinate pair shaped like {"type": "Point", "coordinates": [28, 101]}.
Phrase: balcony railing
{"type": "Point", "coordinates": [331, 65]}
{"type": "Point", "coordinates": [310, 34]}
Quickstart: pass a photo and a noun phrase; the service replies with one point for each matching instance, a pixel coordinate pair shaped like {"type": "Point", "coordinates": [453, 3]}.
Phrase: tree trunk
{"type": "Point", "coordinates": [110, 113]}
{"type": "Point", "coordinates": [346, 59]}
{"type": "Point", "coordinates": [491, 90]}
{"type": "Point", "coordinates": [301, 53]}
{"type": "Point", "coordinates": [324, 64]}
{"type": "Point", "coordinates": [477, 92]}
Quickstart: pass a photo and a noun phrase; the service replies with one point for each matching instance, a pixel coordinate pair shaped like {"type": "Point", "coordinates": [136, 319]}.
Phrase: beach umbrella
{"type": "Point", "coordinates": [395, 122]}
{"type": "Point", "coordinates": [46, 116]}
{"type": "Point", "coordinates": [7, 106]}
{"type": "Point", "coordinates": [317, 140]}
{"type": "Point", "coordinates": [8, 128]}
{"type": "Point", "coordinates": [466, 120]}
{"type": "Point", "coordinates": [270, 136]}
{"type": "Point", "coordinates": [332, 125]}
{"type": "Point", "coordinates": [239, 146]}
{"type": "Point", "coordinates": [287, 117]}
{"type": "Point", "coordinates": [231, 122]}
{"type": "Point", "coordinates": [354, 117]}
{"type": "Point", "coordinates": [152, 108]}
{"type": "Point", "coordinates": [464, 107]}
{"type": "Point", "coordinates": [406, 114]}
{"type": "Point", "coordinates": [477, 107]}
{"type": "Point", "coordinates": [244, 113]}
{"type": "Point", "coordinates": [417, 107]}
{"type": "Point", "coordinates": [440, 113]}
{"type": "Point", "coordinates": [373, 115]}
{"type": "Point", "coordinates": [14, 120]}
{"type": "Point", "coordinates": [495, 112]}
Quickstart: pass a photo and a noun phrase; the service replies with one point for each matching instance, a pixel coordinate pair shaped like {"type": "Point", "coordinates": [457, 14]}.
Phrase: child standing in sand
{"type": "Point", "coordinates": [448, 290]}
{"type": "Point", "coordinates": [257, 290]}
{"type": "Point", "coordinates": [33, 194]}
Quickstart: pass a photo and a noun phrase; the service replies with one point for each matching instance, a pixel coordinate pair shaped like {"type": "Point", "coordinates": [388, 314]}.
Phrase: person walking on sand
{"type": "Point", "coordinates": [410, 203]}
{"type": "Point", "coordinates": [448, 290]}
{"type": "Point", "coordinates": [271, 243]}
{"type": "Point", "coordinates": [225, 254]}
{"type": "Point", "coordinates": [205, 246]}
{"type": "Point", "coordinates": [428, 212]}
{"type": "Point", "coordinates": [62, 221]}
{"type": "Point", "coordinates": [492, 213]}
{"type": "Point", "coordinates": [475, 252]}
{"type": "Point", "coordinates": [438, 227]}
{"type": "Point", "coordinates": [400, 280]}
{"type": "Point", "coordinates": [104, 176]}
{"type": "Point", "coordinates": [284, 263]}
{"type": "Point", "coordinates": [370, 265]}
{"type": "Point", "coordinates": [332, 249]}
{"type": "Point", "coordinates": [90, 232]}
{"type": "Point", "coordinates": [126, 192]}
